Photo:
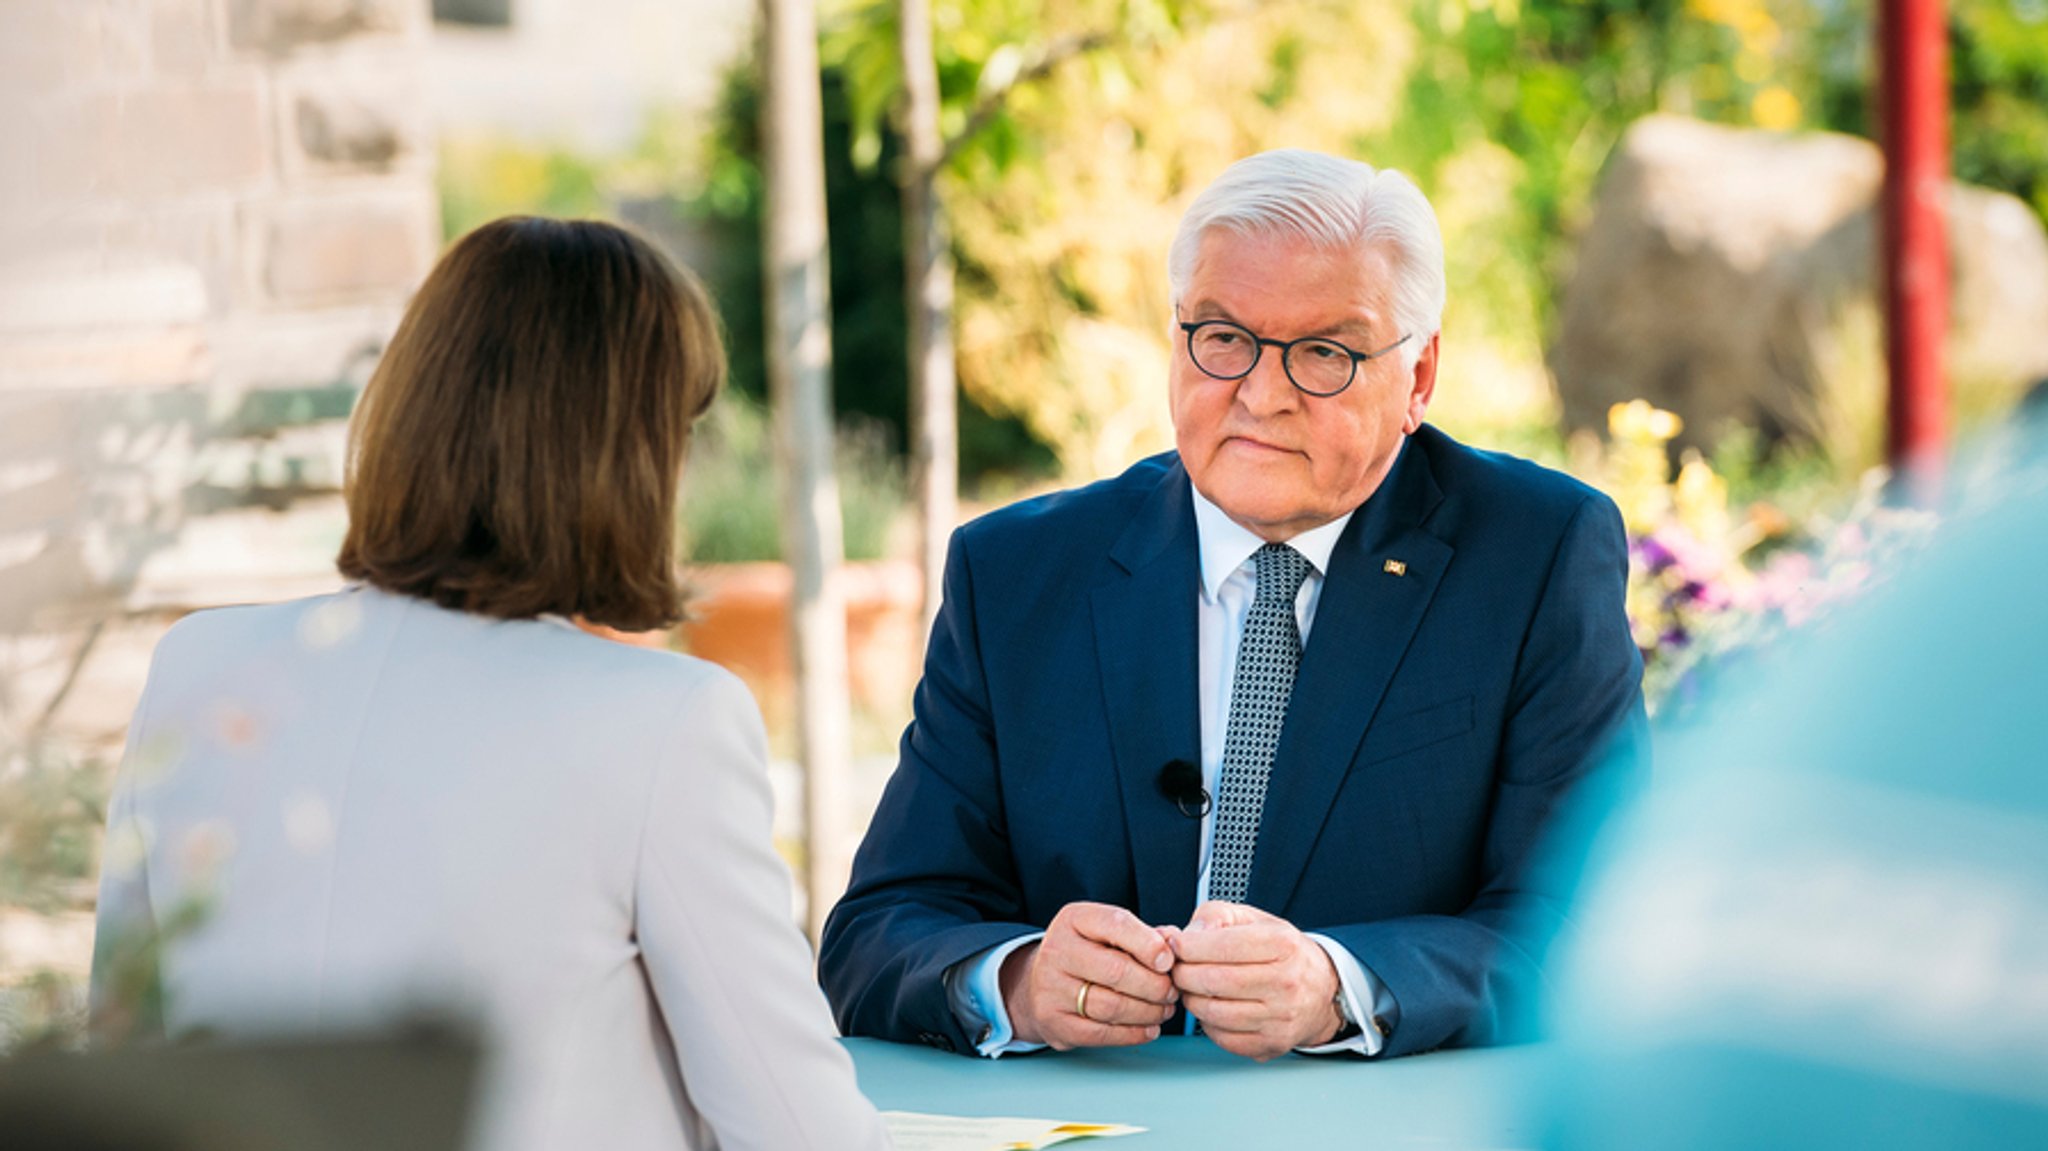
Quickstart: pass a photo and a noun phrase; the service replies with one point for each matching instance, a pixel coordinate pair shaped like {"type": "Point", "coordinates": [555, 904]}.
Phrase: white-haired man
{"type": "Point", "coordinates": [1260, 736]}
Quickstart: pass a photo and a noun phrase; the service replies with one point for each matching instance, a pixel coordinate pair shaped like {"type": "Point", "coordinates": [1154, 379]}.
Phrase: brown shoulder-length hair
{"type": "Point", "coordinates": [519, 447]}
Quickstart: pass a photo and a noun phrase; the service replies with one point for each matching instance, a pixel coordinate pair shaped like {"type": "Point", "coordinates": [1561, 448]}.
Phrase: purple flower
{"type": "Point", "coordinates": [1651, 551]}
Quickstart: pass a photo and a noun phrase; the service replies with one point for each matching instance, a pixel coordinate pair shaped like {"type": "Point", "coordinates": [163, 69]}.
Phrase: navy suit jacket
{"type": "Point", "coordinates": [1440, 719]}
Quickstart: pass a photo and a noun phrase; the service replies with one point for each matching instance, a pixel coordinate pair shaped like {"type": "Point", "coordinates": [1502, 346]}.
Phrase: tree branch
{"type": "Point", "coordinates": [42, 724]}
{"type": "Point", "coordinates": [1049, 57]}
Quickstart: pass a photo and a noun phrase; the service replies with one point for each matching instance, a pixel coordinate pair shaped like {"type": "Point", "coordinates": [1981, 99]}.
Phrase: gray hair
{"type": "Point", "coordinates": [1336, 205]}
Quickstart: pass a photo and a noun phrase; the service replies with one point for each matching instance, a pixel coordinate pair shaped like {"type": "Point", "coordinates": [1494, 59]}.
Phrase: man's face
{"type": "Point", "coordinates": [1277, 461]}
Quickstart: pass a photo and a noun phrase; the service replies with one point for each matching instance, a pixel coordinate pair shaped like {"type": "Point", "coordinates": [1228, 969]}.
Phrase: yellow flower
{"type": "Point", "coordinates": [1638, 471]}
{"type": "Point", "coordinates": [1701, 499]}
{"type": "Point", "coordinates": [1775, 109]}
{"type": "Point", "coordinates": [1637, 420]}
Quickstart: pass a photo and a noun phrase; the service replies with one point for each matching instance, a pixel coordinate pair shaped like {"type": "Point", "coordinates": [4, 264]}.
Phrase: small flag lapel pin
{"type": "Point", "coordinates": [1395, 567]}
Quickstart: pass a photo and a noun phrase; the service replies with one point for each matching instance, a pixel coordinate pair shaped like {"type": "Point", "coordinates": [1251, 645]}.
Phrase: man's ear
{"type": "Point", "coordinates": [1422, 386]}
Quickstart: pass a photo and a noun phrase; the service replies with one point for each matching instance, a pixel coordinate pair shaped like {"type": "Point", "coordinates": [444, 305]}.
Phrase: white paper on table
{"type": "Point", "coordinates": [914, 1132]}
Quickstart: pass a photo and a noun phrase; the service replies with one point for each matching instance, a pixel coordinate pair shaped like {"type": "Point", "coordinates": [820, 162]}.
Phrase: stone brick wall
{"type": "Point", "coordinates": [582, 74]}
{"type": "Point", "coordinates": [211, 215]}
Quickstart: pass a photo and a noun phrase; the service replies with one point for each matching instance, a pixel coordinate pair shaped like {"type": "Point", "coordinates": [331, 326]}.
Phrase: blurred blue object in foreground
{"type": "Point", "coordinates": [1827, 923]}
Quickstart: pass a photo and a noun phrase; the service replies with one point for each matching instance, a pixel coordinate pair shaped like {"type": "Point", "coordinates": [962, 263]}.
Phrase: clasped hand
{"type": "Point", "coordinates": [1102, 977]}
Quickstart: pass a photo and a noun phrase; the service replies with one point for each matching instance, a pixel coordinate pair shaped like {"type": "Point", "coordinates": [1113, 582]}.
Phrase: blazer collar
{"type": "Point", "coordinates": [1226, 544]}
{"type": "Point", "coordinates": [1145, 627]}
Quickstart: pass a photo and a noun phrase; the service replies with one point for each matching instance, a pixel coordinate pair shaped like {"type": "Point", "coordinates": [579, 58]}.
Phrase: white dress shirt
{"type": "Point", "coordinates": [391, 805]}
{"type": "Point", "coordinates": [1229, 585]}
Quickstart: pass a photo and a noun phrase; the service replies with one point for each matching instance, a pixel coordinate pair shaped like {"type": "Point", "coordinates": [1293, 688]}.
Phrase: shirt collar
{"type": "Point", "coordinates": [1226, 544]}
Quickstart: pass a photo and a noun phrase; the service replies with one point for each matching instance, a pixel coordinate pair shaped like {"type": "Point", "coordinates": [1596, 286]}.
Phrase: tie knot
{"type": "Point", "coordinates": [1280, 570]}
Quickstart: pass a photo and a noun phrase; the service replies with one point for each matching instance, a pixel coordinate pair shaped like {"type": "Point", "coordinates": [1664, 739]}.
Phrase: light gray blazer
{"type": "Point", "coordinates": [387, 805]}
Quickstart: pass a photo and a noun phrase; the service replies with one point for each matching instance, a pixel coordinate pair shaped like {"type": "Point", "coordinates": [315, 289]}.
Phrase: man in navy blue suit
{"type": "Point", "coordinates": [1262, 734]}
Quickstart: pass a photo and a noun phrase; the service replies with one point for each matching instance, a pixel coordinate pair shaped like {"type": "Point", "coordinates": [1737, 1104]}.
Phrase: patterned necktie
{"type": "Point", "coordinates": [1267, 657]}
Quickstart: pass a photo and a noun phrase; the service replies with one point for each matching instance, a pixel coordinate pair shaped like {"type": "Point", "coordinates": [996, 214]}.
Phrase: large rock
{"type": "Point", "coordinates": [1731, 276]}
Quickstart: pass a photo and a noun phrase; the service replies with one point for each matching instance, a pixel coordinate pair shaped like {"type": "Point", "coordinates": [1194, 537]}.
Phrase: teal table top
{"type": "Point", "coordinates": [1189, 1093]}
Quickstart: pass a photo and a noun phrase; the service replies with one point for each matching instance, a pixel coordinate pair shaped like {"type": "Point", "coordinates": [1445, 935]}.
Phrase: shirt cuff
{"type": "Point", "coordinates": [1366, 1001]}
{"type": "Point", "coordinates": [974, 990]}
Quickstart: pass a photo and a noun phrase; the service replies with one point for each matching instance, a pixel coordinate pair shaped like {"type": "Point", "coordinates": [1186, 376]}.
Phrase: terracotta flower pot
{"type": "Point", "coordinates": [740, 621]}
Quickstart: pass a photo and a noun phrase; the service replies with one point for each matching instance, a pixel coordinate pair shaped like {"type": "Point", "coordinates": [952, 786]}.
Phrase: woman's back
{"type": "Point", "coordinates": [388, 806]}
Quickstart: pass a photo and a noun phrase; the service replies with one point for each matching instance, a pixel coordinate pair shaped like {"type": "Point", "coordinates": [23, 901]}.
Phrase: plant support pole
{"type": "Point", "coordinates": [1913, 40]}
{"type": "Point", "coordinates": [800, 387]}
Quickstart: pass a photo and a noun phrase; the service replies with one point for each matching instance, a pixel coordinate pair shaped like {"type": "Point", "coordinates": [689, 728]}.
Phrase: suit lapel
{"type": "Point", "coordinates": [1145, 628]}
{"type": "Point", "coordinates": [1364, 621]}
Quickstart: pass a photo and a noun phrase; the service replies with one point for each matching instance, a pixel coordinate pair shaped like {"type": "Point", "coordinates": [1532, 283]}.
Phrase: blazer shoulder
{"type": "Point", "coordinates": [616, 676]}
{"type": "Point", "coordinates": [229, 635]}
{"type": "Point", "coordinates": [1500, 486]}
{"type": "Point", "coordinates": [693, 684]}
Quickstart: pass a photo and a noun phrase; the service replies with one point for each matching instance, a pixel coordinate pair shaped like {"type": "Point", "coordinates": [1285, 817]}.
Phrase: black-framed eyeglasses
{"type": "Point", "coordinates": [1317, 366]}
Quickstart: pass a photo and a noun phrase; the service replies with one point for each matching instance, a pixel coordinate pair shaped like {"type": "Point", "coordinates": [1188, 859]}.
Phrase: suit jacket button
{"type": "Point", "coordinates": [934, 1039]}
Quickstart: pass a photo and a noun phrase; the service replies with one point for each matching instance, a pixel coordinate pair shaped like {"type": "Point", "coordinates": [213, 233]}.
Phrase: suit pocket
{"type": "Point", "coordinates": [1387, 738]}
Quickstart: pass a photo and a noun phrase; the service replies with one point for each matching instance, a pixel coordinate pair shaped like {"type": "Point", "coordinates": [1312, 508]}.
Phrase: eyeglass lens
{"type": "Point", "coordinates": [1226, 350]}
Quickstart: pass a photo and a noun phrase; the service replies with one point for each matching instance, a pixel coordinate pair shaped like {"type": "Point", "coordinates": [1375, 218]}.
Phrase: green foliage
{"type": "Point", "coordinates": [45, 1011]}
{"type": "Point", "coordinates": [871, 371]}
{"type": "Point", "coordinates": [52, 806]}
{"type": "Point", "coordinates": [986, 53]}
{"type": "Point", "coordinates": [730, 514]}
{"type": "Point", "coordinates": [49, 836]}
{"type": "Point", "coordinates": [482, 180]}
{"type": "Point", "coordinates": [1798, 480]}
{"type": "Point", "coordinates": [1092, 120]}
{"type": "Point", "coordinates": [705, 178]}
{"type": "Point", "coordinates": [1555, 85]}
{"type": "Point", "coordinates": [1998, 89]}
{"type": "Point", "coordinates": [129, 972]}
{"type": "Point", "coordinates": [731, 504]}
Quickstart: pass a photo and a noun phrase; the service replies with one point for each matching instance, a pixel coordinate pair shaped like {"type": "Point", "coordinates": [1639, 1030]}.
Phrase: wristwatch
{"type": "Point", "coordinates": [1350, 1028]}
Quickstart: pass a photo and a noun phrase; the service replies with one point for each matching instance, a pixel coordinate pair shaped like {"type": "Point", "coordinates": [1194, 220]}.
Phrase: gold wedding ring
{"type": "Point", "coordinates": [1081, 1000]}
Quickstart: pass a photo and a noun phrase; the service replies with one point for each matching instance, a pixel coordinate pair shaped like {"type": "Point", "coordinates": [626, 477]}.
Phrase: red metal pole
{"type": "Point", "coordinates": [1914, 85]}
